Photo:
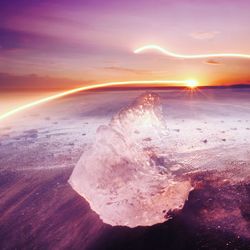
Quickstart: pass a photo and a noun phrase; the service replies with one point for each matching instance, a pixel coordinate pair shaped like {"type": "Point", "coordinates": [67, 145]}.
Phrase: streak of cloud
{"type": "Point", "coordinates": [128, 70]}
{"type": "Point", "coordinates": [36, 82]}
{"type": "Point", "coordinates": [204, 35]}
{"type": "Point", "coordinates": [212, 62]}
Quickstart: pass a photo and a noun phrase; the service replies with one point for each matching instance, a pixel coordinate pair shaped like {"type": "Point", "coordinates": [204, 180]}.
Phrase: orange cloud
{"type": "Point", "coordinates": [212, 62]}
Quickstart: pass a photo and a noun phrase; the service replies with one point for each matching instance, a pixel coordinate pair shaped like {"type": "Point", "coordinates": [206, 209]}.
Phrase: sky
{"type": "Point", "coordinates": [63, 44]}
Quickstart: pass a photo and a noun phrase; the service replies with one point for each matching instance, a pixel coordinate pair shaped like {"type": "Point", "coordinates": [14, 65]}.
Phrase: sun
{"type": "Point", "coordinates": [192, 84]}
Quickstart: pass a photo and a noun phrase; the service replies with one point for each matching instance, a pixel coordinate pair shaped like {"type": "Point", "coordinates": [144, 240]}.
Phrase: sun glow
{"type": "Point", "coordinates": [192, 84]}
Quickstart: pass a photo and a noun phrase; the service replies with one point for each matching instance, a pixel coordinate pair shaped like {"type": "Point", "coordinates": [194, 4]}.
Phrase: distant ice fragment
{"type": "Point", "coordinates": [123, 175]}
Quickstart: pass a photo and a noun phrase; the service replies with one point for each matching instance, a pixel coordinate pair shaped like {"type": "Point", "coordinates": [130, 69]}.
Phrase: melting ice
{"type": "Point", "coordinates": [124, 175]}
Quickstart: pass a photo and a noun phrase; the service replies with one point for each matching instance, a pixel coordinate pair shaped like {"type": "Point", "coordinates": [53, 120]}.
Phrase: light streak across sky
{"type": "Point", "coordinates": [93, 86]}
{"type": "Point", "coordinates": [189, 56]}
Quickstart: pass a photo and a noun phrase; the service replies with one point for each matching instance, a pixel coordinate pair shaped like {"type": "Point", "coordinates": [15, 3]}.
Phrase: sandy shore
{"type": "Point", "coordinates": [39, 149]}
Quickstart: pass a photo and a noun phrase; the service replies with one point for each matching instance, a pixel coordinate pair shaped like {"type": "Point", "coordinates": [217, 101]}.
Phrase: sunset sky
{"type": "Point", "coordinates": [63, 44]}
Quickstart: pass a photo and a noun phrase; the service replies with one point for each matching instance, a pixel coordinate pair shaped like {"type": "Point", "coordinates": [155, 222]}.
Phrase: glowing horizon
{"type": "Point", "coordinates": [189, 56]}
{"type": "Point", "coordinates": [186, 83]}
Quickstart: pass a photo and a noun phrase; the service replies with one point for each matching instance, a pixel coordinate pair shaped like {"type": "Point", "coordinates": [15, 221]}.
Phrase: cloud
{"type": "Point", "coordinates": [213, 62]}
{"type": "Point", "coordinates": [128, 70]}
{"type": "Point", "coordinates": [204, 35]}
{"type": "Point", "coordinates": [34, 81]}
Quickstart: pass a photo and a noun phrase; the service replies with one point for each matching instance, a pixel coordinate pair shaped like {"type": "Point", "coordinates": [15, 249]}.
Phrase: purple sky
{"type": "Point", "coordinates": [81, 41]}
